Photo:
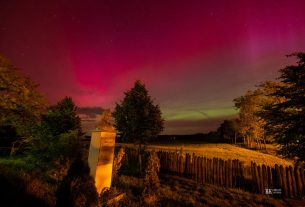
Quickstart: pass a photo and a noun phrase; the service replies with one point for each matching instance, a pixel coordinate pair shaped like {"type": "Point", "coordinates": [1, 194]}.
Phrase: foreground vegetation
{"type": "Point", "coordinates": [179, 192]}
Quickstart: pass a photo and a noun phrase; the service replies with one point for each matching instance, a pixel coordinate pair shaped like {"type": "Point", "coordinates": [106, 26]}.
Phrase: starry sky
{"type": "Point", "coordinates": [195, 57]}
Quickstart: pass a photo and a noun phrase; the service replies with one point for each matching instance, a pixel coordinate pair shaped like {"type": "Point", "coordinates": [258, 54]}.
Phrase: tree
{"type": "Point", "coordinates": [62, 117]}
{"type": "Point", "coordinates": [21, 104]}
{"type": "Point", "coordinates": [228, 130]}
{"type": "Point", "coordinates": [251, 125]}
{"type": "Point", "coordinates": [137, 119]}
{"type": "Point", "coordinates": [285, 117]}
{"type": "Point", "coordinates": [57, 140]}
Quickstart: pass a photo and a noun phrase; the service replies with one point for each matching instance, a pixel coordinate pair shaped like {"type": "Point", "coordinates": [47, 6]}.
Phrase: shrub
{"type": "Point", "coordinates": [151, 181]}
{"type": "Point", "coordinates": [117, 163]}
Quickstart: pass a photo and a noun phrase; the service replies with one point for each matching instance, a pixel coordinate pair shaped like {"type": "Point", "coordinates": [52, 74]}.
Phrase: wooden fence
{"type": "Point", "coordinates": [278, 180]}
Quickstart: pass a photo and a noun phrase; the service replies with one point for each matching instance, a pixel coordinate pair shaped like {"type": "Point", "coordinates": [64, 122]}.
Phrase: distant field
{"type": "Point", "coordinates": [223, 151]}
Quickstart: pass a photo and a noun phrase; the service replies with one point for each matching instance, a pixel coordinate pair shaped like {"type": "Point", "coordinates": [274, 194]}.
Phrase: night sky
{"type": "Point", "coordinates": [195, 57]}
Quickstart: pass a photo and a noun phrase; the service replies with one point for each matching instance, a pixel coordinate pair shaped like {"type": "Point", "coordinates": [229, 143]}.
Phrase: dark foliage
{"type": "Point", "coordinates": [137, 119]}
{"type": "Point", "coordinates": [286, 117]}
{"type": "Point", "coordinates": [21, 105]}
{"type": "Point", "coordinates": [62, 117]}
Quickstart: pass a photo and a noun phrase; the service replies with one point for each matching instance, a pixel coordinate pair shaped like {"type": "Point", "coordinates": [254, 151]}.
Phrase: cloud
{"type": "Point", "coordinates": [90, 112]}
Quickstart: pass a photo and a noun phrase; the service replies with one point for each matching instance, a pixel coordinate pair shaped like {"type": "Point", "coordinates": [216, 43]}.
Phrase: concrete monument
{"type": "Point", "coordinates": [101, 152]}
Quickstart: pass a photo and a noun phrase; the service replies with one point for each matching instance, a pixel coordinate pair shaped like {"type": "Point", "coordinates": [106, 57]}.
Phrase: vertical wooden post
{"type": "Point", "coordinates": [210, 170]}
{"type": "Point", "coordinates": [252, 170]}
{"type": "Point", "coordinates": [242, 175]}
{"type": "Point", "coordinates": [230, 172]}
{"type": "Point", "coordinates": [302, 174]}
{"type": "Point", "coordinates": [204, 170]}
{"type": "Point", "coordinates": [220, 172]}
{"type": "Point", "coordinates": [198, 169]}
{"type": "Point", "coordinates": [278, 180]}
{"type": "Point", "coordinates": [293, 183]}
{"type": "Point", "coordinates": [173, 162]}
{"type": "Point", "coordinates": [265, 178]}
{"type": "Point", "coordinates": [194, 167]}
{"type": "Point", "coordinates": [284, 180]}
{"type": "Point", "coordinates": [168, 161]}
{"type": "Point", "coordinates": [260, 180]}
{"type": "Point", "coordinates": [181, 164]}
{"type": "Point", "coordinates": [289, 182]}
{"type": "Point", "coordinates": [216, 171]}
{"type": "Point", "coordinates": [298, 181]}
{"type": "Point", "coordinates": [213, 170]}
{"type": "Point", "coordinates": [201, 170]}
{"type": "Point", "coordinates": [190, 166]}
{"type": "Point", "coordinates": [226, 177]}
{"type": "Point", "coordinates": [256, 178]}
{"type": "Point", "coordinates": [269, 172]}
{"type": "Point", "coordinates": [233, 173]}
{"type": "Point", "coordinates": [186, 164]}
{"type": "Point", "coordinates": [237, 175]}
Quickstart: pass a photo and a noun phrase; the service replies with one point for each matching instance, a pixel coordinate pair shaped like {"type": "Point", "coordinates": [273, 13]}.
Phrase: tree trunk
{"type": "Point", "coordinates": [265, 143]}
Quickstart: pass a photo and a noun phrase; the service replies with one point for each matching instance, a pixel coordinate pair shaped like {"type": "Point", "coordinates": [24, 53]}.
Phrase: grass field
{"type": "Point", "coordinates": [223, 151]}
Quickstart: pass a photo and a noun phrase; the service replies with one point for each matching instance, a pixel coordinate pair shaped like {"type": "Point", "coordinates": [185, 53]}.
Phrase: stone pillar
{"type": "Point", "coordinates": [101, 152]}
{"type": "Point", "coordinates": [100, 158]}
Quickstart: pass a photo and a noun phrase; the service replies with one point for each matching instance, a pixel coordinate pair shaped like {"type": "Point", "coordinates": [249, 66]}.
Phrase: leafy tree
{"type": "Point", "coordinates": [62, 117]}
{"type": "Point", "coordinates": [21, 104]}
{"type": "Point", "coordinates": [228, 130]}
{"type": "Point", "coordinates": [137, 119]}
{"type": "Point", "coordinates": [251, 125]}
{"type": "Point", "coordinates": [285, 116]}
{"type": "Point", "coordinates": [57, 140]}
{"type": "Point", "coordinates": [55, 153]}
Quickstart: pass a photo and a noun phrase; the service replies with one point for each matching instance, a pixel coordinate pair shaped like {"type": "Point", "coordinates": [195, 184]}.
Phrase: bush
{"type": "Point", "coordinates": [151, 181]}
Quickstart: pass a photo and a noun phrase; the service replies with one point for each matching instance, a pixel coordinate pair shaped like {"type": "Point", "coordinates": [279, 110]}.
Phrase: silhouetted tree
{"type": "Point", "coordinates": [228, 130]}
{"type": "Point", "coordinates": [62, 117]}
{"type": "Point", "coordinates": [285, 117]}
{"type": "Point", "coordinates": [137, 119]}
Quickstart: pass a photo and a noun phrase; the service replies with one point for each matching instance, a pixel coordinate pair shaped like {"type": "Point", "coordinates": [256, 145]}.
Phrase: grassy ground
{"type": "Point", "coordinates": [224, 151]}
{"type": "Point", "coordinates": [178, 192]}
